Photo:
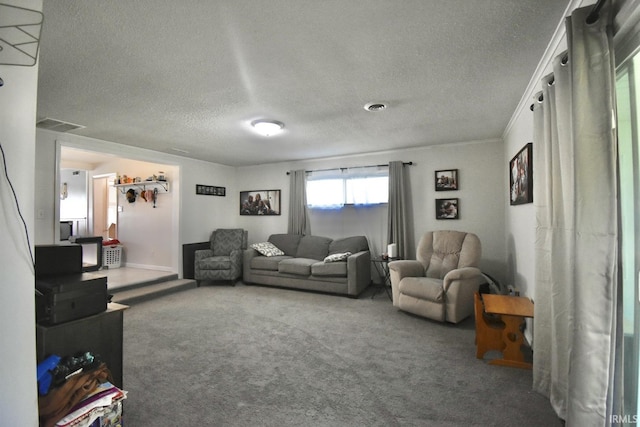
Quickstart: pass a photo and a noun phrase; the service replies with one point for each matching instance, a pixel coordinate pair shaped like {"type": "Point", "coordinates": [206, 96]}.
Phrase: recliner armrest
{"type": "Point", "coordinates": [236, 255]}
{"type": "Point", "coordinates": [464, 274]}
{"type": "Point", "coordinates": [459, 286]}
{"type": "Point", "coordinates": [398, 270]}
{"type": "Point", "coordinates": [406, 268]}
{"type": "Point", "coordinates": [202, 254]}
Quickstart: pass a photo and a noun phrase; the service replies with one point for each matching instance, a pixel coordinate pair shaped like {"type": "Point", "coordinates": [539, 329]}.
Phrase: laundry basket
{"type": "Point", "coordinates": [112, 256]}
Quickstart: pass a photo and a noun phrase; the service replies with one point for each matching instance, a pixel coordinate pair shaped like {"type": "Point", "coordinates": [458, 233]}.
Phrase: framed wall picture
{"type": "Point", "coordinates": [446, 180]}
{"type": "Point", "coordinates": [210, 190]}
{"type": "Point", "coordinates": [260, 202]}
{"type": "Point", "coordinates": [447, 209]}
{"type": "Point", "coordinates": [521, 176]}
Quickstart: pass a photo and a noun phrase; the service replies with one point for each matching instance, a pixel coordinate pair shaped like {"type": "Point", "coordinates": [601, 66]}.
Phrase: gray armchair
{"type": "Point", "coordinates": [441, 283]}
{"type": "Point", "coordinates": [224, 260]}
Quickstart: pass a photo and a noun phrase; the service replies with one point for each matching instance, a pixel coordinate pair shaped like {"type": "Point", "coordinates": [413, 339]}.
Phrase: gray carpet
{"type": "Point", "coordinates": [259, 356]}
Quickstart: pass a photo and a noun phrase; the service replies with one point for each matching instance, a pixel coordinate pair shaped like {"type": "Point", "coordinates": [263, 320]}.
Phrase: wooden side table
{"type": "Point", "coordinates": [512, 311]}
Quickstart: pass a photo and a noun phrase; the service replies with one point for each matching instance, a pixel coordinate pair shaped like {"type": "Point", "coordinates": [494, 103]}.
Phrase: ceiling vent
{"type": "Point", "coordinates": [57, 125]}
{"type": "Point", "coordinates": [375, 106]}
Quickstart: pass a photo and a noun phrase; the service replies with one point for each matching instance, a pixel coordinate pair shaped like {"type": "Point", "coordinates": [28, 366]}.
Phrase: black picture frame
{"type": "Point", "coordinates": [448, 208]}
{"type": "Point", "coordinates": [210, 190]}
{"type": "Point", "coordinates": [446, 180]}
{"type": "Point", "coordinates": [260, 202]}
{"type": "Point", "coordinates": [521, 176]}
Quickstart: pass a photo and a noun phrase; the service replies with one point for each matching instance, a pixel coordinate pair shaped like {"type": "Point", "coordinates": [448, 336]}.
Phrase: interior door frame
{"type": "Point", "coordinates": [130, 153]}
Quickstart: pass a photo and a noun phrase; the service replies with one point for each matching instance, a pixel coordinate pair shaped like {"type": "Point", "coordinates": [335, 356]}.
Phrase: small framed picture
{"type": "Point", "coordinates": [210, 190]}
{"type": "Point", "coordinates": [446, 180]}
{"type": "Point", "coordinates": [447, 209]}
{"type": "Point", "coordinates": [521, 176]}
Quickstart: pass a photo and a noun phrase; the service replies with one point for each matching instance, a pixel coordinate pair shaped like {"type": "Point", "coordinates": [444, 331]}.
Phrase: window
{"type": "Point", "coordinates": [628, 83]}
{"type": "Point", "coordinates": [359, 186]}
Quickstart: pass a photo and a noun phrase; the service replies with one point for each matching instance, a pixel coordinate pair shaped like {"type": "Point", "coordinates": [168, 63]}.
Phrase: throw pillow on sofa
{"type": "Point", "coordinates": [337, 257]}
{"type": "Point", "coordinates": [267, 249]}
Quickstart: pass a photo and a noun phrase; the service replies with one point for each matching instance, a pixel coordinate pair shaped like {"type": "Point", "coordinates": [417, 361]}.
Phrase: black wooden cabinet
{"type": "Point", "coordinates": [100, 334]}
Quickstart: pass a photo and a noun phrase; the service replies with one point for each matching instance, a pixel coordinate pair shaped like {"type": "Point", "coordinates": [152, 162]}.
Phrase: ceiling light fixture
{"type": "Point", "coordinates": [267, 127]}
{"type": "Point", "coordinates": [375, 106]}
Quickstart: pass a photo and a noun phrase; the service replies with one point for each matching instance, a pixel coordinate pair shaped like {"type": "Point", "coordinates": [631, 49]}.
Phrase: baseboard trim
{"type": "Point", "coordinates": [150, 267]}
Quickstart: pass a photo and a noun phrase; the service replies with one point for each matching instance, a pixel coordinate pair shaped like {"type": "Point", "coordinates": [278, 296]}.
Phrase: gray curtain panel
{"type": "Point", "coordinates": [576, 247]}
{"type": "Point", "coordinates": [397, 219]}
{"type": "Point", "coordinates": [298, 215]}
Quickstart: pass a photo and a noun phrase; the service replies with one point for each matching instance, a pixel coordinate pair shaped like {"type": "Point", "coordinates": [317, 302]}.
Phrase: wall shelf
{"type": "Point", "coordinates": [144, 185]}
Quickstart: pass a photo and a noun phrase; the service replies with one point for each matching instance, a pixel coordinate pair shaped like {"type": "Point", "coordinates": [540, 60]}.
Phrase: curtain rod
{"type": "Point", "coordinates": [595, 12]}
{"type": "Point", "coordinates": [593, 17]}
{"type": "Point", "coordinates": [354, 167]}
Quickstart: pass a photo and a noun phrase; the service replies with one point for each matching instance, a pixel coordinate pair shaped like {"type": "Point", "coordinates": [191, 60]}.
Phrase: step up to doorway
{"type": "Point", "coordinates": [146, 291]}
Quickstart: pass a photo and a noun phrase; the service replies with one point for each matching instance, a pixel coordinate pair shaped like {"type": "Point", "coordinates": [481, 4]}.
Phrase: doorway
{"type": "Point", "coordinates": [73, 203]}
{"type": "Point", "coordinates": [105, 206]}
{"type": "Point", "coordinates": [147, 231]}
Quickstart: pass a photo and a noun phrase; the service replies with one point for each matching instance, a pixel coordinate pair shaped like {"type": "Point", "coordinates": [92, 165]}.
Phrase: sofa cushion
{"type": "Point", "coordinates": [331, 269]}
{"type": "Point", "coordinates": [267, 263]}
{"type": "Point", "coordinates": [352, 244]}
{"type": "Point", "coordinates": [298, 266]}
{"type": "Point", "coordinates": [267, 249]}
{"type": "Point", "coordinates": [337, 257]}
{"type": "Point", "coordinates": [313, 247]}
{"type": "Point", "coordinates": [215, 263]}
{"type": "Point", "coordinates": [288, 243]}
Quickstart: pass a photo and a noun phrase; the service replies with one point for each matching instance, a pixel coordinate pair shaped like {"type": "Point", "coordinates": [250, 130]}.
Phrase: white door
{"type": "Point", "coordinates": [105, 206]}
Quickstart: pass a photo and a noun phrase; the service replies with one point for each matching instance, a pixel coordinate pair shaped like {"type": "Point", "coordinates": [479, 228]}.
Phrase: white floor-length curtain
{"type": "Point", "coordinates": [576, 244]}
{"type": "Point", "coordinates": [298, 214]}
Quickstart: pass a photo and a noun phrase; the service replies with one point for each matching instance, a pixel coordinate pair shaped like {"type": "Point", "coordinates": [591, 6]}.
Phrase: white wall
{"type": "Point", "coordinates": [200, 214]}
{"type": "Point", "coordinates": [520, 220]}
{"type": "Point", "coordinates": [146, 232]}
{"type": "Point", "coordinates": [45, 192]}
{"type": "Point", "coordinates": [482, 195]}
{"type": "Point", "coordinates": [18, 396]}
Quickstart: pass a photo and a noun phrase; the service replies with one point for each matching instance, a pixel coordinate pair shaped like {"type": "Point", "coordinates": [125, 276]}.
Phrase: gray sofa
{"type": "Point", "coordinates": [302, 265]}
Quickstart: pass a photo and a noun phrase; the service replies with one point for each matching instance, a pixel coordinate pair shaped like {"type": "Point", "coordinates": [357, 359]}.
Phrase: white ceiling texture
{"type": "Point", "coordinates": [187, 77]}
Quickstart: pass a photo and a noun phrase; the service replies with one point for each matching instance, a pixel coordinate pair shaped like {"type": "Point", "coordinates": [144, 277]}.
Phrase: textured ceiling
{"type": "Point", "coordinates": [192, 74]}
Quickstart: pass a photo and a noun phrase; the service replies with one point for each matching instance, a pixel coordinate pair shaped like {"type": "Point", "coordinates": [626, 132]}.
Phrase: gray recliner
{"type": "Point", "coordinates": [441, 283]}
{"type": "Point", "coordinates": [223, 261]}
